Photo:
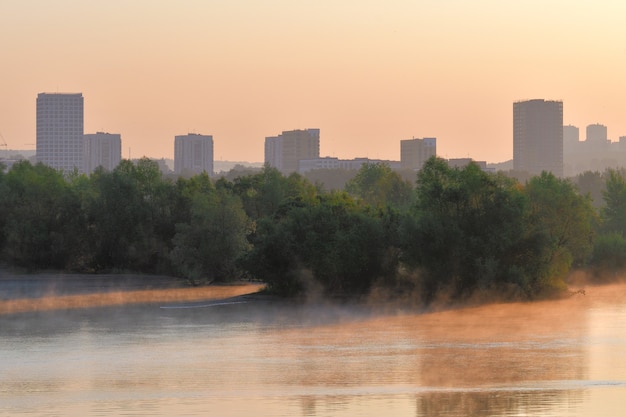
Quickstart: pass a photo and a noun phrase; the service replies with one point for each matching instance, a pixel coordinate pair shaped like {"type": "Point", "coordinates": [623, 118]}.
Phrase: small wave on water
{"type": "Point", "coordinates": [204, 305]}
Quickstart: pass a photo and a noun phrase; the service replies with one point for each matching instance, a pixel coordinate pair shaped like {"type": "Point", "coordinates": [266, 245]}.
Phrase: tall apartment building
{"type": "Point", "coordinates": [571, 136]}
{"type": "Point", "coordinates": [193, 153]}
{"type": "Point", "coordinates": [538, 136]}
{"type": "Point", "coordinates": [571, 148]}
{"type": "Point", "coordinates": [285, 150]}
{"type": "Point", "coordinates": [102, 150]}
{"type": "Point", "coordinates": [415, 152]}
{"type": "Point", "coordinates": [597, 135]}
{"type": "Point", "coordinates": [60, 130]}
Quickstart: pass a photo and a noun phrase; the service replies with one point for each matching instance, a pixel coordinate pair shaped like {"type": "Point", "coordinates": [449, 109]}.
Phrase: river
{"type": "Point", "coordinates": [245, 356]}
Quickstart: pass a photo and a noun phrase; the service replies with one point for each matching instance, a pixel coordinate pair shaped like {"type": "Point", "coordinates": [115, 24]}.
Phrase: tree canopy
{"type": "Point", "coordinates": [456, 231]}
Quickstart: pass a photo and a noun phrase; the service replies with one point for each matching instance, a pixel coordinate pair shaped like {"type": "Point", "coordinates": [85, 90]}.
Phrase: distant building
{"type": "Point", "coordinates": [597, 136]}
{"type": "Point", "coordinates": [102, 150]}
{"type": "Point", "coordinates": [357, 163]}
{"type": "Point", "coordinates": [538, 136]}
{"type": "Point", "coordinates": [284, 151]}
{"type": "Point", "coordinates": [596, 133]}
{"type": "Point", "coordinates": [60, 130]}
{"type": "Point", "coordinates": [193, 153]}
{"type": "Point", "coordinates": [571, 137]}
{"type": "Point", "coordinates": [164, 165]}
{"type": "Point", "coordinates": [415, 152]}
{"type": "Point", "coordinates": [461, 163]}
{"type": "Point", "coordinates": [306, 165]}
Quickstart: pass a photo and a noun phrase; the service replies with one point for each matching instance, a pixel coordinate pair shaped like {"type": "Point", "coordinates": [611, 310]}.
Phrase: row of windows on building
{"type": "Point", "coordinates": [85, 154]}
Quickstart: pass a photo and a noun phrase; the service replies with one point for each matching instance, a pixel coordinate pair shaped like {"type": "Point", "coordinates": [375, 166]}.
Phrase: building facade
{"type": "Point", "coordinates": [571, 136]}
{"type": "Point", "coordinates": [538, 136]}
{"type": "Point", "coordinates": [327, 162]}
{"type": "Point", "coordinates": [597, 136]}
{"type": "Point", "coordinates": [306, 165]}
{"type": "Point", "coordinates": [415, 152]}
{"type": "Point", "coordinates": [102, 150]}
{"type": "Point", "coordinates": [284, 151]}
{"type": "Point", "coordinates": [60, 130]}
{"type": "Point", "coordinates": [193, 153]}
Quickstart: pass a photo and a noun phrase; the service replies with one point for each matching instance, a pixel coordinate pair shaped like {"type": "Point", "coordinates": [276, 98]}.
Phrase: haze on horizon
{"type": "Point", "coordinates": [367, 73]}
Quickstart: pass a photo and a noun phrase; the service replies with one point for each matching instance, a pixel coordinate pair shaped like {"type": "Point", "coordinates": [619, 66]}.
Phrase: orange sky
{"type": "Point", "coordinates": [367, 73]}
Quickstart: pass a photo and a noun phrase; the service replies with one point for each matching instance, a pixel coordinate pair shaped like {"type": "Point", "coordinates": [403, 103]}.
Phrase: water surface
{"type": "Point", "coordinates": [556, 358]}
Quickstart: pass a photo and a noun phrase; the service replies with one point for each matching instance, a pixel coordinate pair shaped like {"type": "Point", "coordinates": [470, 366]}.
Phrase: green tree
{"type": "Point", "coordinates": [378, 185]}
{"type": "Point", "coordinates": [614, 211]}
{"type": "Point", "coordinates": [264, 193]}
{"type": "Point", "coordinates": [208, 247]}
{"type": "Point", "coordinates": [334, 242]}
{"type": "Point", "coordinates": [562, 220]}
{"type": "Point", "coordinates": [609, 255]}
{"type": "Point", "coordinates": [130, 216]}
{"type": "Point", "coordinates": [273, 257]}
{"type": "Point", "coordinates": [343, 243]}
{"type": "Point", "coordinates": [331, 179]}
{"type": "Point", "coordinates": [592, 183]}
{"type": "Point", "coordinates": [609, 251]}
{"type": "Point", "coordinates": [239, 171]}
{"type": "Point", "coordinates": [466, 231]}
{"type": "Point", "coordinates": [42, 217]}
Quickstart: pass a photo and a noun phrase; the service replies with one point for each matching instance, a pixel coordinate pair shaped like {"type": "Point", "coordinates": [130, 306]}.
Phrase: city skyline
{"type": "Point", "coordinates": [101, 146]}
{"type": "Point", "coordinates": [367, 74]}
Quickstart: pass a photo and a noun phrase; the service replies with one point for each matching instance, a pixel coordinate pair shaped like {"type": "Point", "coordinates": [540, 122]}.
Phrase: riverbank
{"type": "Point", "coordinates": [56, 291]}
{"type": "Point", "coordinates": [20, 292]}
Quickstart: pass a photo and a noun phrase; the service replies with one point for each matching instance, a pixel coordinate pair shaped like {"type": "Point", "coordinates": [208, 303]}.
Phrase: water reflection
{"type": "Point", "coordinates": [454, 363]}
{"type": "Point", "coordinates": [509, 403]}
{"type": "Point", "coordinates": [451, 349]}
{"type": "Point", "coordinates": [264, 358]}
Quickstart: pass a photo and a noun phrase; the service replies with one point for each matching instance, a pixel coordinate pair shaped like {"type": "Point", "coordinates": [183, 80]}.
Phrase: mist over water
{"type": "Point", "coordinates": [260, 357]}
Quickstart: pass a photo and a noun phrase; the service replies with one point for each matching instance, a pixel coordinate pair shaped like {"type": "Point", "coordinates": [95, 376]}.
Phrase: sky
{"type": "Point", "coordinates": [366, 73]}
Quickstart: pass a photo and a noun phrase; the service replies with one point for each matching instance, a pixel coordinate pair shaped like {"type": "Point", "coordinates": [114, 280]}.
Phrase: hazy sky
{"type": "Point", "coordinates": [367, 73]}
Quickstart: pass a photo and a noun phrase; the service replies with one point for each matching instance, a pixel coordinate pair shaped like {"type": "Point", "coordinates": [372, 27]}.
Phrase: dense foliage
{"type": "Point", "coordinates": [453, 232]}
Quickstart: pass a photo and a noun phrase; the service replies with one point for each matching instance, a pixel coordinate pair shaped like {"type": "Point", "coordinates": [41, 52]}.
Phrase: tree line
{"type": "Point", "coordinates": [453, 232]}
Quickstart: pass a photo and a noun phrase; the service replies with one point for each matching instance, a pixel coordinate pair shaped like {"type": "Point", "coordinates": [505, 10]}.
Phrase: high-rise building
{"type": "Point", "coordinates": [285, 150]}
{"type": "Point", "coordinates": [193, 153]}
{"type": "Point", "coordinates": [571, 135]}
{"type": "Point", "coordinates": [60, 130]}
{"type": "Point", "coordinates": [415, 152]}
{"type": "Point", "coordinates": [597, 134]}
{"type": "Point", "coordinates": [102, 150]}
{"type": "Point", "coordinates": [571, 142]}
{"type": "Point", "coordinates": [538, 136]}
